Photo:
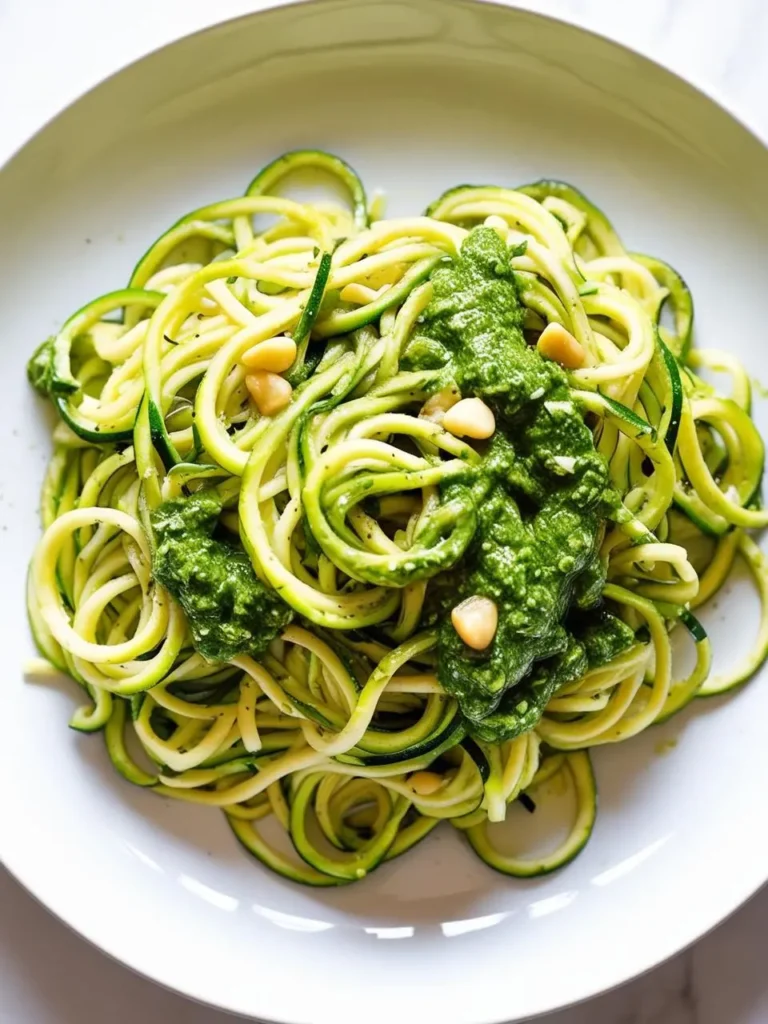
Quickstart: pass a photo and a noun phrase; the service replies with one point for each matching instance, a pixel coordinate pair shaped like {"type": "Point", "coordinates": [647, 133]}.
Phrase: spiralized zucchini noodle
{"type": "Point", "coordinates": [354, 525]}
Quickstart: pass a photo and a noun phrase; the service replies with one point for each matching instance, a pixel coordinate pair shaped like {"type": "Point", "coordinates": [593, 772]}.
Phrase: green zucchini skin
{"type": "Point", "coordinates": [681, 301]}
{"type": "Point", "coordinates": [299, 371]}
{"type": "Point", "coordinates": [65, 387]}
{"type": "Point", "coordinates": [302, 873]}
{"type": "Point", "coordinates": [676, 395]}
{"type": "Point", "coordinates": [115, 742]}
{"type": "Point", "coordinates": [579, 768]}
{"type": "Point", "coordinates": [274, 173]}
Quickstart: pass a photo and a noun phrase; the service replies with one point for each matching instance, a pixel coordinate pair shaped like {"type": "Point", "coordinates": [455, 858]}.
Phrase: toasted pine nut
{"type": "Point", "coordinates": [476, 621]}
{"type": "Point", "coordinates": [425, 783]}
{"type": "Point", "coordinates": [470, 417]}
{"type": "Point", "coordinates": [565, 464]}
{"type": "Point", "coordinates": [560, 345]}
{"type": "Point", "coordinates": [269, 391]}
{"type": "Point", "coordinates": [273, 354]}
{"type": "Point", "coordinates": [437, 405]}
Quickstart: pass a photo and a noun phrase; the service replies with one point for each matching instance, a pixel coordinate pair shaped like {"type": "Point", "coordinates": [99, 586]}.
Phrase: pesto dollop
{"type": "Point", "coordinates": [541, 495]}
{"type": "Point", "coordinates": [40, 368]}
{"type": "Point", "coordinates": [229, 610]}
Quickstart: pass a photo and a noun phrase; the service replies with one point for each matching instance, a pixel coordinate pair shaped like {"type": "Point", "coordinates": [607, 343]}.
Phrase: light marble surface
{"type": "Point", "coordinates": [54, 49]}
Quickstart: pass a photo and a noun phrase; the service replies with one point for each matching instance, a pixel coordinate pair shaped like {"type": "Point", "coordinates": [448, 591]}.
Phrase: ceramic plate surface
{"type": "Point", "coordinates": [418, 95]}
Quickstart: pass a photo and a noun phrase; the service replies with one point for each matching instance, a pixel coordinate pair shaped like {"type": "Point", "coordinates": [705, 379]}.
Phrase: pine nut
{"type": "Point", "coordinates": [425, 783]}
{"type": "Point", "coordinates": [476, 621]}
{"type": "Point", "coordinates": [274, 354]}
{"type": "Point", "coordinates": [269, 391]}
{"type": "Point", "coordinates": [559, 345]}
{"type": "Point", "coordinates": [437, 405]}
{"type": "Point", "coordinates": [470, 417]}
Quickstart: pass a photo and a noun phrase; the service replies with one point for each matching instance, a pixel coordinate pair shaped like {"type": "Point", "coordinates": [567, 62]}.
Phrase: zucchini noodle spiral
{"type": "Point", "coordinates": [336, 492]}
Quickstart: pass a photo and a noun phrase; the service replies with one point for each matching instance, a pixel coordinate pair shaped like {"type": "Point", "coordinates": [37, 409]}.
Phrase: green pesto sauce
{"type": "Point", "coordinates": [40, 368]}
{"type": "Point", "coordinates": [541, 495]}
{"type": "Point", "coordinates": [229, 610]}
{"type": "Point", "coordinates": [603, 635]}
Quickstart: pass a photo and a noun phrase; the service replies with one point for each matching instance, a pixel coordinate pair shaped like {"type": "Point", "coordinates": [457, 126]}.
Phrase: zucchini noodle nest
{"type": "Point", "coordinates": [354, 525]}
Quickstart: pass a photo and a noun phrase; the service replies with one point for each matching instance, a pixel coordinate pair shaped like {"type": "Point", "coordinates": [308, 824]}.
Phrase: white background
{"type": "Point", "coordinates": [52, 50]}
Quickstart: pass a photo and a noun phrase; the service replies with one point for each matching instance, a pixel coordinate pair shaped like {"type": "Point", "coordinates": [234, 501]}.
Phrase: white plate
{"type": "Point", "coordinates": [418, 95]}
